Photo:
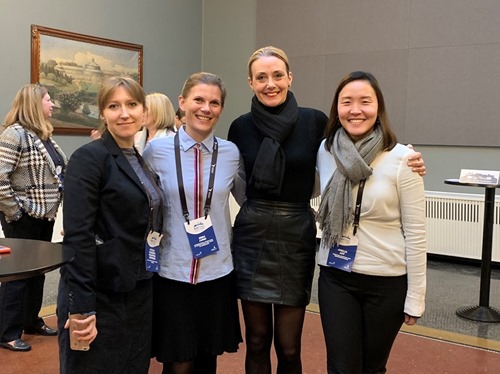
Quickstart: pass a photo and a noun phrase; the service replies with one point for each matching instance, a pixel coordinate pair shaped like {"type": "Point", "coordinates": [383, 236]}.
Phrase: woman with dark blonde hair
{"type": "Point", "coordinates": [196, 310]}
{"type": "Point", "coordinates": [112, 209]}
{"type": "Point", "coordinates": [32, 168]}
{"type": "Point", "coordinates": [274, 242]}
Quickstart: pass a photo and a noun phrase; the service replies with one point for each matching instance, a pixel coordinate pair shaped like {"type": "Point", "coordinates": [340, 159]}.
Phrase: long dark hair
{"type": "Point", "coordinates": [334, 124]}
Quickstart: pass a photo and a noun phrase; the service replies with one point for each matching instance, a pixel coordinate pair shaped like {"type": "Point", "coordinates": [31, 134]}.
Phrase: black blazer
{"type": "Point", "coordinates": [105, 220]}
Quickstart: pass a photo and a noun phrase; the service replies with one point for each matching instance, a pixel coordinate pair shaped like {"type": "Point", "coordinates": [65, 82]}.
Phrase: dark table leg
{"type": "Point", "coordinates": [483, 312]}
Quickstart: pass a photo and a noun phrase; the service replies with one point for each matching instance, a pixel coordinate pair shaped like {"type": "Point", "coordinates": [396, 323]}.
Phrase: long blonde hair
{"type": "Point", "coordinates": [27, 111]}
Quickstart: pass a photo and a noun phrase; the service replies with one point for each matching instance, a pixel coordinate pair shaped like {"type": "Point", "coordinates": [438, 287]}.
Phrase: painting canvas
{"type": "Point", "coordinates": [72, 67]}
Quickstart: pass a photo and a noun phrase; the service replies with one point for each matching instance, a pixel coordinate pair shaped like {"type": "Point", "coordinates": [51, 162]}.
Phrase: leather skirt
{"type": "Point", "coordinates": [274, 250]}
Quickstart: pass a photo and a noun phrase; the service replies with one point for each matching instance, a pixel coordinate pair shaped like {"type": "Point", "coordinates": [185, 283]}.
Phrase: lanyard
{"type": "Point", "coordinates": [357, 209]}
{"type": "Point", "coordinates": [56, 157]}
{"type": "Point", "coordinates": [155, 215]}
{"type": "Point", "coordinates": [180, 183]}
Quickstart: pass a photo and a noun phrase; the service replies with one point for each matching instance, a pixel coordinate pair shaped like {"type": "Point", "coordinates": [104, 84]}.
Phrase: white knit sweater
{"type": "Point", "coordinates": [391, 232]}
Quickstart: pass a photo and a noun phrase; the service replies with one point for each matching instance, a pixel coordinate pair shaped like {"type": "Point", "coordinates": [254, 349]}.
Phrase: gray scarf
{"type": "Point", "coordinates": [353, 165]}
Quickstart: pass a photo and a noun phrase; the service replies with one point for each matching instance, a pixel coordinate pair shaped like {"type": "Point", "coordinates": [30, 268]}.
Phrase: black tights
{"type": "Point", "coordinates": [201, 365]}
{"type": "Point", "coordinates": [287, 332]}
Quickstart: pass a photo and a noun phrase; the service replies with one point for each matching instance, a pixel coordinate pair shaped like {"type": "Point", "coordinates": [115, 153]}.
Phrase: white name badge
{"type": "Point", "coordinates": [341, 255]}
{"type": "Point", "coordinates": [201, 237]}
{"type": "Point", "coordinates": [152, 251]}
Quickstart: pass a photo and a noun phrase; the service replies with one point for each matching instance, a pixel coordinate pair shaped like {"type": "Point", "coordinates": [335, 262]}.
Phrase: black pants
{"type": "Point", "coordinates": [21, 300]}
{"type": "Point", "coordinates": [361, 316]}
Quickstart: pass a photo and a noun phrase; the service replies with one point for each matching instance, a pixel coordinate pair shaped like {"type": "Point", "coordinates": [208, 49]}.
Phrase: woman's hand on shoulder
{"type": "Point", "coordinates": [95, 134]}
{"type": "Point", "coordinates": [416, 162]}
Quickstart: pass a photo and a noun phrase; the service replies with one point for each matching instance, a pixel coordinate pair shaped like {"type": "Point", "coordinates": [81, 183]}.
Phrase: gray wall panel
{"type": "Point", "coordinates": [228, 42]}
{"type": "Point", "coordinates": [297, 26]}
{"type": "Point", "coordinates": [453, 95]}
{"type": "Point", "coordinates": [454, 22]}
{"type": "Point", "coordinates": [367, 25]}
{"type": "Point", "coordinates": [309, 84]}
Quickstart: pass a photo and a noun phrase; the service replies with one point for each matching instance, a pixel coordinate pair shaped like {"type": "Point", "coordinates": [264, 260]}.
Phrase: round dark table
{"type": "Point", "coordinates": [29, 258]}
{"type": "Point", "coordinates": [483, 312]}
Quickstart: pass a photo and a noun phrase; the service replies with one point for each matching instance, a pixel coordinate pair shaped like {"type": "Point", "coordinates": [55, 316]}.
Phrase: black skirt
{"type": "Point", "coordinates": [123, 342]}
{"type": "Point", "coordinates": [274, 251]}
{"type": "Point", "coordinates": [192, 320]}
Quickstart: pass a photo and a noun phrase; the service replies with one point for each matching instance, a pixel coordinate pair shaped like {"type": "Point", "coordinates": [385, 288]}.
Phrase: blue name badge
{"type": "Point", "coordinates": [341, 255]}
{"type": "Point", "coordinates": [152, 251]}
{"type": "Point", "coordinates": [201, 237]}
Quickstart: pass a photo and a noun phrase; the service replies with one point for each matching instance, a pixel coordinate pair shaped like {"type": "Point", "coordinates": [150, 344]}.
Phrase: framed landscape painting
{"type": "Point", "coordinates": [72, 66]}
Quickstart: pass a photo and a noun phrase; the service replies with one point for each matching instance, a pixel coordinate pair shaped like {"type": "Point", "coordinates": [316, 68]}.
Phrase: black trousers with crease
{"type": "Point", "coordinates": [21, 300]}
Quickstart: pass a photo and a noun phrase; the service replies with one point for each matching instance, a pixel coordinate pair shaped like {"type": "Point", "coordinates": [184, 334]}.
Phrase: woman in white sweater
{"type": "Point", "coordinates": [373, 259]}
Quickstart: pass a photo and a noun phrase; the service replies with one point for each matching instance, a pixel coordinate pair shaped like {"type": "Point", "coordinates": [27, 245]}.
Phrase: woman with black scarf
{"type": "Point", "coordinates": [274, 239]}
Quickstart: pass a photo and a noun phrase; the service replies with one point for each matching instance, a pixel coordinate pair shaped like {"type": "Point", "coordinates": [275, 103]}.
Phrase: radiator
{"type": "Point", "coordinates": [454, 224]}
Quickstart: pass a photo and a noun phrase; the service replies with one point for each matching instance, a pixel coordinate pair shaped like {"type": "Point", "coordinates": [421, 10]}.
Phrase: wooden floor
{"type": "Point", "coordinates": [417, 350]}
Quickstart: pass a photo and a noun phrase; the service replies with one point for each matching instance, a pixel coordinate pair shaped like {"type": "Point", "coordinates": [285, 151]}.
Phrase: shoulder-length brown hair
{"type": "Point", "coordinates": [109, 86]}
{"type": "Point", "coordinates": [334, 124]}
{"type": "Point", "coordinates": [27, 111]}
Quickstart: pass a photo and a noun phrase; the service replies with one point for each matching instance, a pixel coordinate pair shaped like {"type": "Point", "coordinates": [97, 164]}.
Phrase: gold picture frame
{"type": "Point", "coordinates": [72, 66]}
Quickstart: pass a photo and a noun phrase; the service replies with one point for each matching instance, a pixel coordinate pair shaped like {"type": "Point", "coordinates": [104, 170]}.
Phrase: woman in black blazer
{"type": "Point", "coordinates": [112, 203]}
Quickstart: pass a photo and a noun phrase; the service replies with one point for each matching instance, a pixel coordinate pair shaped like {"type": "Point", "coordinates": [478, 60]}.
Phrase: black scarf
{"type": "Point", "coordinates": [276, 124]}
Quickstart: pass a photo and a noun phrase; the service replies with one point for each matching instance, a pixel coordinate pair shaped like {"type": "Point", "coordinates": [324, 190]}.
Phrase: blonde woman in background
{"type": "Point", "coordinates": [159, 120]}
{"type": "Point", "coordinates": [31, 189]}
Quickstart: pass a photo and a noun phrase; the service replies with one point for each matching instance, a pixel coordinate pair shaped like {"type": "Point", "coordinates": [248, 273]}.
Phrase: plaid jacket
{"type": "Point", "coordinates": [28, 178]}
